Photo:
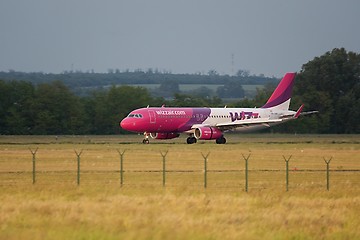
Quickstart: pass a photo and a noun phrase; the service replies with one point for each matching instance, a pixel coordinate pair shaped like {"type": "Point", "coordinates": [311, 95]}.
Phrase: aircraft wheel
{"type": "Point", "coordinates": [191, 140]}
{"type": "Point", "coordinates": [146, 141]}
{"type": "Point", "coordinates": [221, 140]}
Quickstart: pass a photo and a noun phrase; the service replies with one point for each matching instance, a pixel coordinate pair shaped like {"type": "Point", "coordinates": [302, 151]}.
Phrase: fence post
{"type": "Point", "coordinates": [205, 168]}
{"type": "Point", "coordinates": [121, 166]}
{"type": "Point", "coordinates": [164, 165]}
{"type": "Point", "coordinates": [327, 173]}
{"type": "Point", "coordinates": [287, 171]}
{"type": "Point", "coordinates": [246, 171]}
{"type": "Point", "coordinates": [33, 162]}
{"type": "Point", "coordinates": [78, 165]}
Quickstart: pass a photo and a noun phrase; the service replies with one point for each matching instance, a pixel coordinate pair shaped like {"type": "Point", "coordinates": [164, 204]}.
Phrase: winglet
{"type": "Point", "coordinates": [298, 112]}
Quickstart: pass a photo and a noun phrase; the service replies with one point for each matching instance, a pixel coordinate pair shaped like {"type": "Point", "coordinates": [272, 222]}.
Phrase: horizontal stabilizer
{"type": "Point", "coordinates": [308, 113]}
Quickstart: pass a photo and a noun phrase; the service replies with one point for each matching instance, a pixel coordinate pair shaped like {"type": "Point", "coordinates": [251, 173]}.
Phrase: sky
{"type": "Point", "coordinates": [267, 37]}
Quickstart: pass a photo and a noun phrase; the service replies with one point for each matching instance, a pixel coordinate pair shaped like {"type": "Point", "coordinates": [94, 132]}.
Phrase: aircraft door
{"type": "Point", "coordinates": [152, 116]}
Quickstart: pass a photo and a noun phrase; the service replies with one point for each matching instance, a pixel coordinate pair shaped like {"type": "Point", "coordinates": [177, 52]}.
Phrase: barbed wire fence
{"type": "Point", "coordinates": [145, 168]}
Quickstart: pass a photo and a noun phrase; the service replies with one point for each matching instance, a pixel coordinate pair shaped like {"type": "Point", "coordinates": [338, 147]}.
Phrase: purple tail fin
{"type": "Point", "coordinates": [282, 92]}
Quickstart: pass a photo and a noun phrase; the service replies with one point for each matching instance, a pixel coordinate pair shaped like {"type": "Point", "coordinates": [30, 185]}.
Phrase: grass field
{"type": "Point", "coordinates": [55, 207]}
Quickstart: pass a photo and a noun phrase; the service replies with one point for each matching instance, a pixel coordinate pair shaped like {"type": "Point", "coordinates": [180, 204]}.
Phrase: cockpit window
{"type": "Point", "coordinates": [136, 115]}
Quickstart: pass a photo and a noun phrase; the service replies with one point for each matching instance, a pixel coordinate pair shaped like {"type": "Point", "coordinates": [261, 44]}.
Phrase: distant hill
{"type": "Point", "coordinates": [81, 83]}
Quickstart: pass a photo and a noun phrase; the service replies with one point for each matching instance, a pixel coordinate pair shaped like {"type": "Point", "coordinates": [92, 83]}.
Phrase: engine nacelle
{"type": "Point", "coordinates": [164, 135]}
{"type": "Point", "coordinates": [207, 133]}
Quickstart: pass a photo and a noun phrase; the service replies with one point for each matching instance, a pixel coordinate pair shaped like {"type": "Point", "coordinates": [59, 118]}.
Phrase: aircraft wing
{"type": "Point", "coordinates": [266, 122]}
{"type": "Point", "coordinates": [246, 124]}
{"type": "Point", "coordinates": [224, 127]}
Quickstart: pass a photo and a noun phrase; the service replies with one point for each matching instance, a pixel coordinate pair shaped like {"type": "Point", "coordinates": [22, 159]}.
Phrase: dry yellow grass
{"type": "Point", "coordinates": [56, 208]}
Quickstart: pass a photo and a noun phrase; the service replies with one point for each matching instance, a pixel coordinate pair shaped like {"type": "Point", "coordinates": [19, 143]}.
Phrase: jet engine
{"type": "Point", "coordinates": [207, 133]}
{"type": "Point", "coordinates": [164, 135]}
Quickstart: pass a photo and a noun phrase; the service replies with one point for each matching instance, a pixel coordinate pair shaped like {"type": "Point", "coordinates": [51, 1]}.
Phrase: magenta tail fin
{"type": "Point", "coordinates": [282, 94]}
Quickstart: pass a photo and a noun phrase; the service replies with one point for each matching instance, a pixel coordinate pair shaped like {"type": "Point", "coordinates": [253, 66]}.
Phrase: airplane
{"type": "Point", "coordinates": [211, 123]}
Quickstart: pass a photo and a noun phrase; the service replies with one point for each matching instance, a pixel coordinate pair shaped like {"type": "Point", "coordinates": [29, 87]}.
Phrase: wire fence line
{"type": "Point", "coordinates": [202, 169]}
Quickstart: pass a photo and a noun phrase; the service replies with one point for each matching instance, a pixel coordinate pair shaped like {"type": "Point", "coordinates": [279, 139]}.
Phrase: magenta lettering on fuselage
{"type": "Point", "coordinates": [170, 112]}
{"type": "Point", "coordinates": [243, 115]}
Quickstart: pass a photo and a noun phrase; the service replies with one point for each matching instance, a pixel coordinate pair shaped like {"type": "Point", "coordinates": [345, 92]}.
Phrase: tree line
{"type": "Point", "coordinates": [83, 83]}
{"type": "Point", "coordinates": [52, 108]}
{"type": "Point", "coordinates": [79, 79]}
{"type": "Point", "coordinates": [329, 83]}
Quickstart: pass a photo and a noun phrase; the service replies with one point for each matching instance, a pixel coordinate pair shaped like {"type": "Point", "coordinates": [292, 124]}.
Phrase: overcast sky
{"type": "Point", "coordinates": [182, 36]}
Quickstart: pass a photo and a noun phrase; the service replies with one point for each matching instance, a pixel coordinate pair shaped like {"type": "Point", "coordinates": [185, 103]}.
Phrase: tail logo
{"type": "Point", "coordinates": [243, 115]}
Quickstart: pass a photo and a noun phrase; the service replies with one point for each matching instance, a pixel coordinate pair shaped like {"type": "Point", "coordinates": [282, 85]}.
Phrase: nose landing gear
{"type": "Point", "coordinates": [146, 138]}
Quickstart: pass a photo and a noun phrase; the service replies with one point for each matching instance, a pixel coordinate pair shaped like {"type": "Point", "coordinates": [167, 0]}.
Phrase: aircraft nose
{"type": "Point", "coordinates": [127, 124]}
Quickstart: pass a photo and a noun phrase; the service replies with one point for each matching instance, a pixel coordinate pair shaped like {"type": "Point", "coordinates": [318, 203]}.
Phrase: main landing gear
{"type": "Point", "coordinates": [191, 140]}
{"type": "Point", "coordinates": [221, 140]}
